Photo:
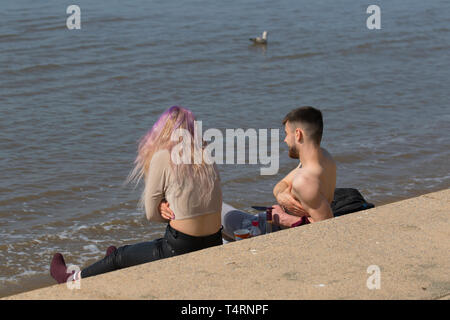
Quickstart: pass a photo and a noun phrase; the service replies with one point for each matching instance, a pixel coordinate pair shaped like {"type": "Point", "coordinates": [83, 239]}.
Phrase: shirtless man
{"type": "Point", "coordinates": [305, 194]}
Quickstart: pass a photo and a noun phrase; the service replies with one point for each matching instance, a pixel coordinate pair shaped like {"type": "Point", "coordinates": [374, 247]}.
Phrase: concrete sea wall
{"type": "Point", "coordinates": [406, 241]}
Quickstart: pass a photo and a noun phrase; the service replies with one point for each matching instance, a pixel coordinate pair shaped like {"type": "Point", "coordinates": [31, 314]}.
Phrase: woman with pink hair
{"type": "Point", "coordinates": [182, 189]}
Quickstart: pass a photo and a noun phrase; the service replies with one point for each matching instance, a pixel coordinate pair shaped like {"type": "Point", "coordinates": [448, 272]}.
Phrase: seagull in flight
{"type": "Point", "coordinates": [260, 40]}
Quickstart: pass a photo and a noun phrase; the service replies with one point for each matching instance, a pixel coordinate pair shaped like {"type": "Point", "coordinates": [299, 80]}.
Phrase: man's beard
{"type": "Point", "coordinates": [293, 152]}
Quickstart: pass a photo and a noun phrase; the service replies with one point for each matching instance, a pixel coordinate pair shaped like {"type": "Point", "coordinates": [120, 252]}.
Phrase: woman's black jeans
{"type": "Point", "coordinates": [174, 243]}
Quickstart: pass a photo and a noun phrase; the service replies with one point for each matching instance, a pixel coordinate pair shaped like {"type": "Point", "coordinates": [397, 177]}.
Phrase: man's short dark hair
{"type": "Point", "coordinates": [309, 116]}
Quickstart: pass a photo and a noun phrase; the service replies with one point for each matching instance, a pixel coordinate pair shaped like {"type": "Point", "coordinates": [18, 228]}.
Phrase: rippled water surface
{"type": "Point", "coordinates": [74, 103]}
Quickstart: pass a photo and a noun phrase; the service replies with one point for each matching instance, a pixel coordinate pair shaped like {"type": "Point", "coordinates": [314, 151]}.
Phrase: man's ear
{"type": "Point", "coordinates": [298, 134]}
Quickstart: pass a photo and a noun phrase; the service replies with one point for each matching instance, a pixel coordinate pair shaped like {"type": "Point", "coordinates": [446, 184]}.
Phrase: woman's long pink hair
{"type": "Point", "coordinates": [159, 138]}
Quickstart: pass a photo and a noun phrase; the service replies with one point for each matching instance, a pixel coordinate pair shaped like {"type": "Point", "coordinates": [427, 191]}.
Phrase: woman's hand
{"type": "Point", "coordinates": [165, 211]}
{"type": "Point", "coordinates": [291, 205]}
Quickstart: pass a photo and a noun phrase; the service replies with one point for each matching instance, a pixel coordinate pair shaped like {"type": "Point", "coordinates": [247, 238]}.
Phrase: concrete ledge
{"type": "Point", "coordinates": [408, 240]}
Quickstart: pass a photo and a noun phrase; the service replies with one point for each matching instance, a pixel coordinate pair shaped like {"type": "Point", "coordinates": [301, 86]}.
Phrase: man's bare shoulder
{"type": "Point", "coordinates": [306, 183]}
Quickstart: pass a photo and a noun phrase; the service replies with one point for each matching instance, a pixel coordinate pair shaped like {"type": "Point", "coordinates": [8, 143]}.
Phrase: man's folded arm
{"type": "Point", "coordinates": [280, 187]}
{"type": "Point", "coordinates": [284, 184]}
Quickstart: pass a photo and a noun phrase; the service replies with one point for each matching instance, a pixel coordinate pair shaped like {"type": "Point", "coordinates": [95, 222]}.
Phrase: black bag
{"type": "Point", "coordinates": [348, 200]}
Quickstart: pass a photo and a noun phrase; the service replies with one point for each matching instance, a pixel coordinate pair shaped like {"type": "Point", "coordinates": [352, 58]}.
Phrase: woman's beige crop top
{"type": "Point", "coordinates": [186, 202]}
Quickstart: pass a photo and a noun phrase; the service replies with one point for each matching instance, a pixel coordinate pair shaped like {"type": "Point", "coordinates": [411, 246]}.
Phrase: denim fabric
{"type": "Point", "coordinates": [174, 243]}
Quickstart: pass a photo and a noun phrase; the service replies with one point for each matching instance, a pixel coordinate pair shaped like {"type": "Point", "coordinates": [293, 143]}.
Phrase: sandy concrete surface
{"type": "Point", "coordinates": [407, 240]}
